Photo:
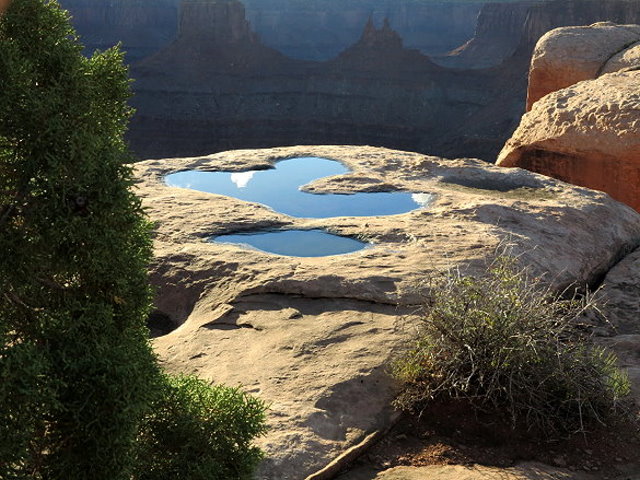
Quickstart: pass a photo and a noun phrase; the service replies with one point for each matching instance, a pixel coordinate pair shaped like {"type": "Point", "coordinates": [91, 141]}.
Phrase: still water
{"type": "Point", "coordinates": [295, 243]}
{"type": "Point", "coordinates": [279, 189]}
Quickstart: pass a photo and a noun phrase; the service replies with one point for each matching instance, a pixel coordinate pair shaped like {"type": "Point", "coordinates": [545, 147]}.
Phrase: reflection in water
{"type": "Point", "coordinates": [241, 179]}
{"type": "Point", "coordinates": [422, 199]}
{"type": "Point", "coordinates": [295, 243]}
{"type": "Point", "coordinates": [279, 188]}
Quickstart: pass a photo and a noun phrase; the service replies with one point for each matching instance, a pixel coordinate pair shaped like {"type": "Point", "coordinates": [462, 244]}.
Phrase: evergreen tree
{"type": "Point", "coordinates": [81, 395]}
{"type": "Point", "coordinates": [76, 370]}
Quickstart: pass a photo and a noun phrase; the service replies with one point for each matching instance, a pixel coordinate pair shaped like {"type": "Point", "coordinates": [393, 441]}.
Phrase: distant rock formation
{"type": "Point", "coordinates": [385, 38]}
{"type": "Point", "coordinates": [317, 30]}
{"type": "Point", "coordinates": [382, 50]}
{"type": "Point", "coordinates": [587, 133]}
{"type": "Point", "coordinates": [221, 22]}
{"type": "Point", "coordinates": [507, 30]}
{"type": "Point", "coordinates": [499, 29]}
{"type": "Point", "coordinates": [320, 29]}
{"type": "Point", "coordinates": [217, 86]}
{"type": "Point", "coordinates": [214, 38]}
{"type": "Point", "coordinates": [142, 26]}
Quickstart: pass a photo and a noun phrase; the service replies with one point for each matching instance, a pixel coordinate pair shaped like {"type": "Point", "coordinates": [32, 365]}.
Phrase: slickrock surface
{"type": "Point", "coordinates": [621, 292]}
{"type": "Point", "coordinates": [313, 336]}
{"type": "Point", "coordinates": [526, 471]}
{"type": "Point", "coordinates": [568, 55]}
{"type": "Point", "coordinates": [619, 300]}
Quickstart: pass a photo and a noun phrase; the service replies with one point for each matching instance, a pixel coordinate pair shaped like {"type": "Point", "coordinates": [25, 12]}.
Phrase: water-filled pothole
{"type": "Point", "coordinates": [279, 188]}
{"type": "Point", "coordinates": [295, 243]}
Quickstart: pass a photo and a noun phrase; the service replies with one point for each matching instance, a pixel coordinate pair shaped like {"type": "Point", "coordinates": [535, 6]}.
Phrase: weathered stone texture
{"type": "Point", "coordinates": [586, 133]}
{"type": "Point", "coordinates": [314, 336]}
{"type": "Point", "coordinates": [568, 55]}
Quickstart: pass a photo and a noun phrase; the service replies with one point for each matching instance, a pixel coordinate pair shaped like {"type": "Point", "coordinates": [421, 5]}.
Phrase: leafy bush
{"type": "Point", "coordinates": [509, 345]}
{"type": "Point", "coordinates": [197, 431]}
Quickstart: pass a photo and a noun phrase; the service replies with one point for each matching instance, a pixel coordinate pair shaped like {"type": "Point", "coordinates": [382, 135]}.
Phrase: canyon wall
{"type": "Point", "coordinates": [321, 29]}
{"type": "Point", "coordinates": [317, 30]}
{"type": "Point", "coordinates": [496, 37]}
{"type": "Point", "coordinates": [216, 22]}
{"type": "Point", "coordinates": [143, 26]}
{"type": "Point", "coordinates": [208, 80]}
{"type": "Point", "coordinates": [507, 30]}
{"type": "Point", "coordinates": [212, 91]}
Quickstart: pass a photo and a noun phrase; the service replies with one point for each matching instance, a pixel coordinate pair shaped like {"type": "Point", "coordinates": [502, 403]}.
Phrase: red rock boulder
{"type": "Point", "coordinates": [586, 133]}
{"type": "Point", "coordinates": [568, 55]}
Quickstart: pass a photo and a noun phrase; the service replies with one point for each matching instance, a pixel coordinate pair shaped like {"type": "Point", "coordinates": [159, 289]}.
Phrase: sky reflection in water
{"type": "Point", "coordinates": [295, 243]}
{"type": "Point", "coordinates": [279, 189]}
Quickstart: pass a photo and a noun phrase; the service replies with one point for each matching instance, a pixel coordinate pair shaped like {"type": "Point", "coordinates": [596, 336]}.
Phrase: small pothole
{"type": "Point", "coordinates": [295, 243]}
{"type": "Point", "coordinates": [159, 324]}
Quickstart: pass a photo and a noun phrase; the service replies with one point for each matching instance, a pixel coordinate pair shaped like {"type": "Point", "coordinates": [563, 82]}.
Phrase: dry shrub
{"type": "Point", "coordinates": [510, 345]}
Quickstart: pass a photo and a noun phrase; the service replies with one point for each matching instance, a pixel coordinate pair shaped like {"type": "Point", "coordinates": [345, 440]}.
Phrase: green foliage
{"type": "Point", "coordinates": [81, 395]}
{"type": "Point", "coordinates": [77, 370]}
{"type": "Point", "coordinates": [510, 346]}
{"type": "Point", "coordinates": [200, 432]}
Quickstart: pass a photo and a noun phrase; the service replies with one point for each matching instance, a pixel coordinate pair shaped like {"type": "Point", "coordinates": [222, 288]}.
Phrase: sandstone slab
{"type": "Point", "coordinates": [620, 296]}
{"type": "Point", "coordinates": [568, 55]}
{"type": "Point", "coordinates": [525, 471]}
{"type": "Point", "coordinates": [627, 59]}
{"type": "Point", "coordinates": [313, 336]}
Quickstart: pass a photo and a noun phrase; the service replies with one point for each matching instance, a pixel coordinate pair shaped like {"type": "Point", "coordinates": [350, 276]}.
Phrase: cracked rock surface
{"type": "Point", "coordinates": [621, 297]}
{"type": "Point", "coordinates": [313, 337]}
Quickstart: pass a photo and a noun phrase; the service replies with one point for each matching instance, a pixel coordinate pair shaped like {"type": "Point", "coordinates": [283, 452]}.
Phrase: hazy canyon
{"type": "Point", "coordinates": [444, 78]}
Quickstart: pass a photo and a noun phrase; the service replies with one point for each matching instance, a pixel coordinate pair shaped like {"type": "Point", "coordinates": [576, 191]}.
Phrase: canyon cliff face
{"type": "Point", "coordinates": [508, 30]}
{"type": "Point", "coordinates": [587, 133]}
{"type": "Point", "coordinates": [218, 87]}
{"type": "Point", "coordinates": [143, 26]}
{"type": "Point", "coordinates": [317, 30]}
{"type": "Point", "coordinates": [498, 31]}
{"type": "Point", "coordinates": [321, 29]}
{"type": "Point", "coordinates": [208, 82]}
{"type": "Point", "coordinates": [220, 23]}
